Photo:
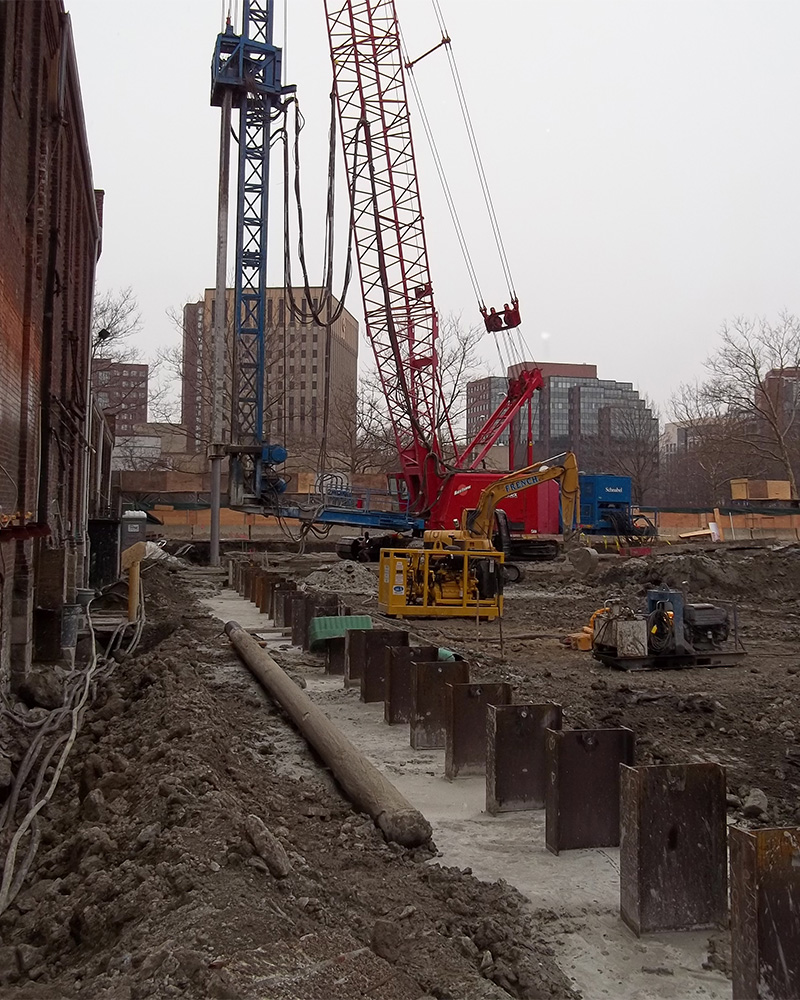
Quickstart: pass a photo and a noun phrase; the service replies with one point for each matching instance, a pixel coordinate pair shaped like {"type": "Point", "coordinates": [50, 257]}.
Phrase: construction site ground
{"type": "Point", "coordinates": [147, 882]}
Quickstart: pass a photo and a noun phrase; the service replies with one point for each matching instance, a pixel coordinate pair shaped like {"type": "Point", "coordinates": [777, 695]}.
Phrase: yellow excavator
{"type": "Point", "coordinates": [459, 572]}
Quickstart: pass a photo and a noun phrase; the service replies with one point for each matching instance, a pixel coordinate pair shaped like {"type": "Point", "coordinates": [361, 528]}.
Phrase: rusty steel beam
{"type": "Point", "coordinates": [334, 656]}
{"type": "Point", "coordinates": [300, 612]}
{"type": "Point", "coordinates": [582, 806]}
{"type": "Point", "coordinates": [293, 606]}
{"type": "Point", "coordinates": [269, 582]}
{"type": "Point", "coordinates": [428, 729]}
{"type": "Point", "coordinates": [673, 847]}
{"type": "Point", "coordinates": [280, 598]}
{"type": "Point", "coordinates": [466, 708]}
{"type": "Point", "coordinates": [516, 771]}
{"type": "Point", "coordinates": [373, 675]}
{"type": "Point", "coordinates": [765, 913]}
{"type": "Point", "coordinates": [355, 647]}
{"type": "Point", "coordinates": [397, 700]}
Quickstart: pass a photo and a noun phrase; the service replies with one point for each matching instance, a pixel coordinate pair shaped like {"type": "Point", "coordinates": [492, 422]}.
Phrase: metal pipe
{"type": "Point", "coordinates": [220, 325]}
{"type": "Point", "coordinates": [361, 782]}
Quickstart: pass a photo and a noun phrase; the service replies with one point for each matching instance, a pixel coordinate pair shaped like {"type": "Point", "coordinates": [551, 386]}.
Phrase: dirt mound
{"type": "Point", "coordinates": [344, 578]}
{"type": "Point", "coordinates": [149, 882]}
{"type": "Point", "coordinates": [722, 573]}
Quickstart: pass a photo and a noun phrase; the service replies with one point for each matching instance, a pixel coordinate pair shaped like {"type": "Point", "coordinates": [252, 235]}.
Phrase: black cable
{"type": "Point", "coordinates": [659, 630]}
{"type": "Point", "coordinates": [317, 315]}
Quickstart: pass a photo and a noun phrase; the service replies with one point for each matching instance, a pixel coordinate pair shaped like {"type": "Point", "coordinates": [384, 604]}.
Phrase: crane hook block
{"type": "Point", "coordinates": [507, 320]}
{"type": "Point", "coordinates": [511, 316]}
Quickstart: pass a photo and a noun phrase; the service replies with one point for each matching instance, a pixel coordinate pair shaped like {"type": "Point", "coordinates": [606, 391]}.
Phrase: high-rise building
{"type": "Point", "coordinates": [120, 390]}
{"type": "Point", "coordinates": [296, 371]}
{"type": "Point", "coordinates": [577, 411]}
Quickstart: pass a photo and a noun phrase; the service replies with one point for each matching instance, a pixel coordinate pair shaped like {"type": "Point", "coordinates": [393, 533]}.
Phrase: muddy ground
{"type": "Point", "coordinates": [148, 881]}
{"type": "Point", "coordinates": [745, 717]}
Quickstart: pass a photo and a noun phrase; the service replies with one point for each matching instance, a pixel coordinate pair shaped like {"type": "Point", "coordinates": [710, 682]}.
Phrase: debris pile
{"type": "Point", "coordinates": [344, 578]}
{"type": "Point", "coordinates": [725, 572]}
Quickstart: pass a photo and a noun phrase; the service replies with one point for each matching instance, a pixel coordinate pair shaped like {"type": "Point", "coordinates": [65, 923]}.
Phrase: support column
{"type": "Point", "coordinates": [220, 326]}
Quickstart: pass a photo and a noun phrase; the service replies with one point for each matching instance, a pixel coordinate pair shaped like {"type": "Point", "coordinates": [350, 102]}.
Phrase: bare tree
{"type": "Point", "coordinates": [706, 452]}
{"type": "Point", "coordinates": [755, 380]}
{"type": "Point", "coordinates": [119, 383]}
{"type": "Point", "coordinates": [369, 423]}
{"type": "Point", "coordinates": [115, 320]}
{"type": "Point", "coordinates": [458, 364]}
{"type": "Point", "coordinates": [361, 438]}
{"type": "Point", "coordinates": [630, 440]}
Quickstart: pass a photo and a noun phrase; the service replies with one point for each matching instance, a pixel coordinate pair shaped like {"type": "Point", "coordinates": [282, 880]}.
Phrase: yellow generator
{"type": "Point", "coordinates": [459, 573]}
{"type": "Point", "coordinates": [439, 582]}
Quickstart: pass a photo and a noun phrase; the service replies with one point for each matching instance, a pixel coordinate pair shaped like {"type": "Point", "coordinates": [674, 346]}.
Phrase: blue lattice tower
{"type": "Point", "coordinates": [249, 67]}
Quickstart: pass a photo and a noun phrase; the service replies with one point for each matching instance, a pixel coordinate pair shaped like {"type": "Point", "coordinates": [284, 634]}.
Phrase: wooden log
{"type": "Point", "coordinates": [365, 786]}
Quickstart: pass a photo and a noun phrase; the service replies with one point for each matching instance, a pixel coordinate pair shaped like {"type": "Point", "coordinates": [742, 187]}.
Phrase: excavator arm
{"type": "Point", "coordinates": [479, 523]}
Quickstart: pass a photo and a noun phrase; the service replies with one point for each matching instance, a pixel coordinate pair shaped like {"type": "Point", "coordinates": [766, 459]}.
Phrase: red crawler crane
{"type": "Point", "coordinates": [397, 291]}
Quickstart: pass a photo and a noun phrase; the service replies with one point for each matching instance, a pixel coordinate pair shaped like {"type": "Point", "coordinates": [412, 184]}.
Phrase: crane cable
{"type": "Point", "coordinates": [448, 194]}
{"type": "Point", "coordinates": [515, 352]}
{"type": "Point", "coordinates": [516, 349]}
{"type": "Point", "coordinates": [475, 150]}
{"type": "Point", "coordinates": [323, 314]}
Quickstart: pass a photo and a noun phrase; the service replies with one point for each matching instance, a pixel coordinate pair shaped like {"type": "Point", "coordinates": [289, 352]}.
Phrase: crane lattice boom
{"type": "Point", "coordinates": [399, 310]}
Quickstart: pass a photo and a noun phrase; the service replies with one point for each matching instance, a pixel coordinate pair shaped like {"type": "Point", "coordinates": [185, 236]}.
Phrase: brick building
{"type": "Point", "coordinates": [120, 389]}
{"type": "Point", "coordinates": [295, 373]}
{"type": "Point", "coordinates": [50, 218]}
{"type": "Point", "coordinates": [484, 395]}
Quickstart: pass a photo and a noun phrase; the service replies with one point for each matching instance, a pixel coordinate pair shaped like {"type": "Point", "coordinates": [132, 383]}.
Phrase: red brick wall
{"type": "Point", "coordinates": [48, 219]}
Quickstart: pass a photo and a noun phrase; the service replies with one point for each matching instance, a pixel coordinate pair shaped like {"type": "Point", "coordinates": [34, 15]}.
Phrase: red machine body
{"type": "Point", "coordinates": [532, 512]}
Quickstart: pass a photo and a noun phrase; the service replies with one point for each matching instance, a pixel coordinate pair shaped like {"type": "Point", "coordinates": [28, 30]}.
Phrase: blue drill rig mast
{"type": "Point", "coordinates": [248, 68]}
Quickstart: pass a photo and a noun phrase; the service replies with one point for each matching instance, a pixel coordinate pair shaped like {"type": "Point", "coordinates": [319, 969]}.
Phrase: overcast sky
{"type": "Point", "coordinates": [643, 158]}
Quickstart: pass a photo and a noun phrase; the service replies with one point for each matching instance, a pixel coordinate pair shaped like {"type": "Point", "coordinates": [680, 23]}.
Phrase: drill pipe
{"type": "Point", "coordinates": [363, 784]}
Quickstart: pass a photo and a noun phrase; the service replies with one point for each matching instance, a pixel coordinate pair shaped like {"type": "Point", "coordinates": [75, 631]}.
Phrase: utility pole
{"type": "Point", "coordinates": [220, 332]}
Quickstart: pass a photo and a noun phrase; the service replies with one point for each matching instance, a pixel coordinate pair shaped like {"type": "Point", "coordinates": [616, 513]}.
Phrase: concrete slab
{"type": "Point", "coordinates": [229, 606]}
{"type": "Point", "coordinates": [576, 895]}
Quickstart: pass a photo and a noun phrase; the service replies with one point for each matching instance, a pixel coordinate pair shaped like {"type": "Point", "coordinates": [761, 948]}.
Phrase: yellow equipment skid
{"type": "Point", "coordinates": [441, 583]}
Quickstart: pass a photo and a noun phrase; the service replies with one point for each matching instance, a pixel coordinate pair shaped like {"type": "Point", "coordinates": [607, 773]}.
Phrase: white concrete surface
{"type": "Point", "coordinates": [578, 891]}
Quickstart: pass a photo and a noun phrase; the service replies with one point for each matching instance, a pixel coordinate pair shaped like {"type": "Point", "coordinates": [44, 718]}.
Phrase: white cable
{"type": "Point", "coordinates": [8, 871]}
{"type": "Point", "coordinates": [10, 886]}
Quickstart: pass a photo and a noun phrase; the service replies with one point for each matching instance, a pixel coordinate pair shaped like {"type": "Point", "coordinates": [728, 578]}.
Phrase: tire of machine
{"type": "Point", "coordinates": [512, 573]}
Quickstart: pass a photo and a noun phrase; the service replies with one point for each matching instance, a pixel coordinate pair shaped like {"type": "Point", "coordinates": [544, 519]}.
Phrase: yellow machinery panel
{"type": "Point", "coordinates": [441, 583]}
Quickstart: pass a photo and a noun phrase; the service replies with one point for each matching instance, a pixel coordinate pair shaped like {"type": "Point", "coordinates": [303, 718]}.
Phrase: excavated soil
{"type": "Point", "coordinates": [147, 882]}
{"type": "Point", "coordinates": [344, 577]}
{"type": "Point", "coordinates": [745, 717]}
